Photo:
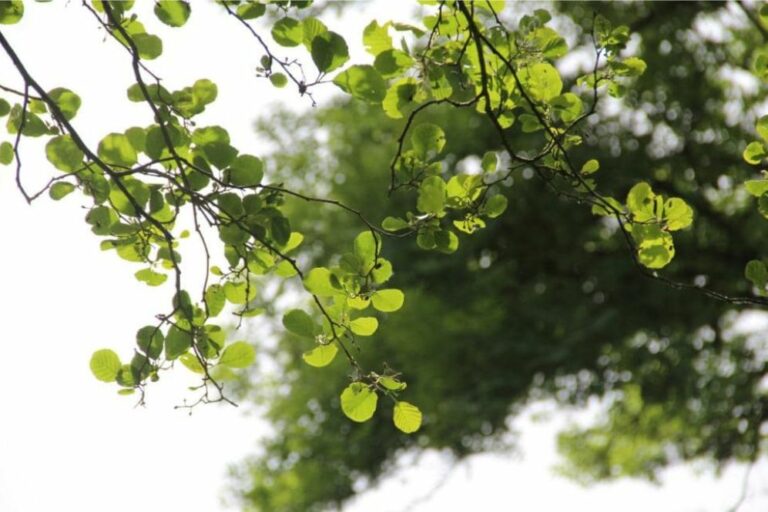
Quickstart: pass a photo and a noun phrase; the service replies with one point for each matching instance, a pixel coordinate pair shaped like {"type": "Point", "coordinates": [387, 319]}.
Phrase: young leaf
{"type": "Point", "coordinates": [300, 323]}
{"type": "Point", "coordinates": [320, 356]}
{"type": "Point", "coordinates": [388, 300]}
{"type": "Point", "coordinates": [358, 402]}
{"type": "Point", "coordinates": [407, 417]}
{"type": "Point", "coordinates": [364, 326]}
{"type": "Point", "coordinates": [173, 13]}
{"type": "Point", "coordinates": [105, 364]}
{"type": "Point", "coordinates": [239, 354]}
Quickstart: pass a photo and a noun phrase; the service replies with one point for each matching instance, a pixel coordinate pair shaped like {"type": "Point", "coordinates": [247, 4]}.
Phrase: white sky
{"type": "Point", "coordinates": [68, 442]}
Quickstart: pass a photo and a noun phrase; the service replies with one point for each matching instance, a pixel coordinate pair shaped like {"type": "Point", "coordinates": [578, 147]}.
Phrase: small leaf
{"type": "Point", "coordinates": [300, 323]}
{"type": "Point", "coordinates": [215, 299]}
{"type": "Point", "coordinates": [391, 383]}
{"type": "Point", "coordinates": [246, 171]}
{"type": "Point", "coordinates": [367, 247]}
{"type": "Point", "coordinates": [191, 362]}
{"type": "Point", "coordinates": [495, 206]}
{"type": "Point", "coordinates": [320, 356]}
{"type": "Point", "coordinates": [116, 149]}
{"type": "Point", "coordinates": [177, 342]}
{"type": "Point", "coordinates": [358, 402]}
{"type": "Point", "coordinates": [67, 101]}
{"type": "Point", "coordinates": [279, 80]}
{"type": "Point", "coordinates": [756, 187]}
{"type": "Point", "coordinates": [318, 282]}
{"type": "Point", "coordinates": [590, 166]}
{"type": "Point", "coordinates": [757, 273]}
{"type": "Point", "coordinates": [329, 51]}
{"type": "Point", "coordinates": [60, 190]}
{"type": "Point", "coordinates": [394, 224]}
{"type": "Point", "coordinates": [431, 197]}
{"type": "Point", "coordinates": [363, 82]}
{"type": "Point", "coordinates": [388, 301]}
{"type": "Point", "coordinates": [173, 13]}
{"type": "Point", "coordinates": [150, 340]}
{"type": "Point", "coordinates": [677, 214]}
{"type": "Point", "coordinates": [364, 326]}
{"type": "Point", "coordinates": [11, 11]}
{"type": "Point", "coordinates": [6, 153]}
{"type": "Point", "coordinates": [376, 38]}
{"type": "Point", "coordinates": [150, 277]}
{"type": "Point", "coordinates": [490, 162]}
{"type": "Point", "coordinates": [287, 32]}
{"type": "Point", "coordinates": [407, 417]}
{"type": "Point", "coordinates": [428, 139]}
{"type": "Point", "coordinates": [105, 364]}
{"type": "Point", "coordinates": [754, 153]}
{"type": "Point", "coordinates": [150, 47]}
{"type": "Point", "coordinates": [239, 354]}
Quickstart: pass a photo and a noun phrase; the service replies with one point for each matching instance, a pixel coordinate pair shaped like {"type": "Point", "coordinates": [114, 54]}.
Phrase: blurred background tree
{"type": "Point", "coordinates": [545, 302]}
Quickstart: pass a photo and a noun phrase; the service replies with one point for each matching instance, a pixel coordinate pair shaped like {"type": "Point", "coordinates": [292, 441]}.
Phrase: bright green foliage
{"type": "Point", "coordinates": [67, 101]}
{"type": "Point", "coordinates": [11, 11]}
{"type": "Point", "coordinates": [388, 301]}
{"type": "Point", "coordinates": [300, 323]}
{"type": "Point", "coordinates": [173, 13]}
{"type": "Point", "coordinates": [364, 326]}
{"type": "Point", "coordinates": [358, 402]}
{"type": "Point", "coordinates": [239, 354]}
{"type": "Point", "coordinates": [287, 32]}
{"type": "Point", "coordinates": [64, 154]}
{"type": "Point", "coordinates": [60, 190]}
{"type": "Point", "coordinates": [105, 365]}
{"type": "Point", "coordinates": [6, 153]}
{"type": "Point", "coordinates": [757, 273]}
{"type": "Point", "coordinates": [407, 417]}
{"type": "Point", "coordinates": [755, 152]}
{"type": "Point", "coordinates": [363, 82]}
{"type": "Point", "coordinates": [320, 356]}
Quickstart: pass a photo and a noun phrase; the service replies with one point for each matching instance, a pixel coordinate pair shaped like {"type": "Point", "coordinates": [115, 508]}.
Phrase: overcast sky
{"type": "Point", "coordinates": [68, 442]}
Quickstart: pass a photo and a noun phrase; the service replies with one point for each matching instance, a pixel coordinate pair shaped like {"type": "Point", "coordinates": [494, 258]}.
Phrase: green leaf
{"type": "Point", "coordinates": [391, 63]}
{"type": "Point", "coordinates": [215, 299]}
{"type": "Point", "coordinates": [376, 38]}
{"type": "Point", "coordinates": [431, 195]}
{"type": "Point", "coordinates": [329, 51]}
{"type": "Point", "coordinates": [320, 356]}
{"type": "Point", "coordinates": [641, 201]}
{"type": "Point", "coordinates": [318, 282]}
{"type": "Point", "coordinates": [407, 417]}
{"type": "Point", "coordinates": [278, 80]}
{"type": "Point", "coordinates": [173, 13]}
{"type": "Point", "coordinates": [490, 162]}
{"type": "Point", "coordinates": [367, 247]}
{"type": "Point", "coordinates": [762, 128]}
{"type": "Point", "coordinates": [590, 166]}
{"type": "Point", "coordinates": [67, 101]}
{"type": "Point", "coordinates": [358, 402]}
{"type": "Point", "coordinates": [394, 224]}
{"type": "Point", "coordinates": [191, 362]}
{"type": "Point", "coordinates": [428, 139]}
{"type": "Point", "coordinates": [239, 292]}
{"type": "Point", "coordinates": [60, 190]}
{"type": "Point", "coordinates": [655, 247]}
{"type": "Point", "coordinates": [64, 154]}
{"type": "Point", "coordinates": [33, 125]}
{"type": "Point", "coordinates": [677, 214]}
{"type": "Point", "coordinates": [311, 28]}
{"type": "Point", "coordinates": [205, 91]}
{"type": "Point", "coordinates": [757, 273]}
{"type": "Point", "coordinates": [754, 152]}
{"type": "Point", "coordinates": [287, 32]}
{"type": "Point", "coordinates": [105, 364]}
{"type": "Point", "coordinates": [246, 171]}
{"type": "Point", "coordinates": [495, 206]}
{"type": "Point", "coordinates": [362, 82]}
{"type": "Point", "coordinates": [150, 47]}
{"type": "Point", "coordinates": [150, 340]}
{"type": "Point", "coordinates": [239, 354]}
{"type": "Point", "coordinates": [300, 323]}
{"type": "Point", "coordinates": [150, 277]}
{"type": "Point", "coordinates": [541, 80]}
{"type": "Point", "coordinates": [388, 300]}
{"type": "Point", "coordinates": [364, 326]}
{"type": "Point", "coordinates": [11, 12]}
{"type": "Point", "coordinates": [251, 10]}
{"type": "Point", "coordinates": [116, 149]}
{"type": "Point", "coordinates": [392, 383]}
{"type": "Point", "coordinates": [756, 187]}
{"type": "Point", "coordinates": [401, 96]}
{"type": "Point", "coordinates": [177, 342]}
{"type": "Point", "coordinates": [5, 107]}
{"type": "Point", "coordinates": [6, 153]}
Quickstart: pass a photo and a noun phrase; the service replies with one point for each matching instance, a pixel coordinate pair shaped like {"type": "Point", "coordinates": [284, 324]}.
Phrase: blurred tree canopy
{"type": "Point", "coordinates": [544, 302]}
